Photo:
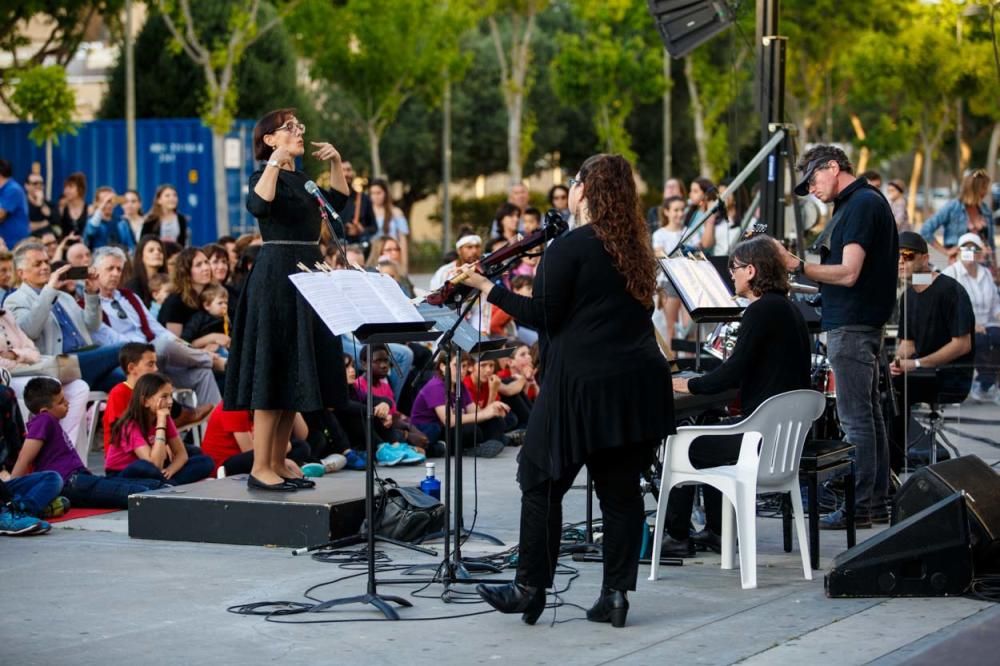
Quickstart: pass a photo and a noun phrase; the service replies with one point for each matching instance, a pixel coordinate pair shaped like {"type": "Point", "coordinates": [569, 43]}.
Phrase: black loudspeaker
{"type": "Point", "coordinates": [926, 555]}
{"type": "Point", "coordinates": [684, 24]}
{"type": "Point", "coordinates": [982, 489]}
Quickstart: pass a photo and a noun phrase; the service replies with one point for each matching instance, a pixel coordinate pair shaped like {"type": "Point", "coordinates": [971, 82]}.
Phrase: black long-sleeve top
{"type": "Point", "coordinates": [772, 354]}
{"type": "Point", "coordinates": [605, 382]}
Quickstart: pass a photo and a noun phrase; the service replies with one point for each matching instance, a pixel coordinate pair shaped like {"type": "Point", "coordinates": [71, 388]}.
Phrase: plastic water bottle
{"type": "Point", "coordinates": [430, 485]}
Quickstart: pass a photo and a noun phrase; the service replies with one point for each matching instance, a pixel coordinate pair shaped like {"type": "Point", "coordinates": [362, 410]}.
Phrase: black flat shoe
{"type": "Point", "coordinates": [611, 606]}
{"type": "Point", "coordinates": [284, 487]}
{"type": "Point", "coordinates": [671, 547]}
{"type": "Point", "coordinates": [515, 598]}
{"type": "Point", "coordinates": [300, 483]}
{"type": "Point", "coordinates": [707, 540]}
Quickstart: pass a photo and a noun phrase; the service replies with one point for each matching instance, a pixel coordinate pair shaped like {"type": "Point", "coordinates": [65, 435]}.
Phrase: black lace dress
{"type": "Point", "coordinates": [282, 357]}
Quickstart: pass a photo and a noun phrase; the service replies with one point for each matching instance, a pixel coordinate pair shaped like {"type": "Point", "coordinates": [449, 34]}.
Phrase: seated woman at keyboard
{"type": "Point", "coordinates": [772, 355]}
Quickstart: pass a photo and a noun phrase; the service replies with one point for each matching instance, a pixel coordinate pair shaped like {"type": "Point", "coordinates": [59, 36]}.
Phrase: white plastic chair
{"type": "Point", "coordinates": [189, 398]}
{"type": "Point", "coordinates": [98, 401]}
{"type": "Point", "coordinates": [770, 453]}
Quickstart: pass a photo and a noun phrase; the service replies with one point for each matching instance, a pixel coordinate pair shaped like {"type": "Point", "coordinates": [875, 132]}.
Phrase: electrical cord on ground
{"type": "Point", "coordinates": [986, 588]}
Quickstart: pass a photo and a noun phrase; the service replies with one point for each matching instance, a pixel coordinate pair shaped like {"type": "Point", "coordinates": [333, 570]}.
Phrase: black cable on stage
{"type": "Point", "coordinates": [986, 588]}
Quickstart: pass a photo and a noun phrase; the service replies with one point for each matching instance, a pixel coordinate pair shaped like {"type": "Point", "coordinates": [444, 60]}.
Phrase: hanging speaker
{"type": "Point", "coordinates": [926, 555]}
{"type": "Point", "coordinates": [684, 24]}
{"type": "Point", "coordinates": [981, 485]}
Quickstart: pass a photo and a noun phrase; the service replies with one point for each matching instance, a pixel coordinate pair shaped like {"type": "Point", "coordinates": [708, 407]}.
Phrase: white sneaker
{"type": "Point", "coordinates": [977, 395]}
{"type": "Point", "coordinates": [333, 463]}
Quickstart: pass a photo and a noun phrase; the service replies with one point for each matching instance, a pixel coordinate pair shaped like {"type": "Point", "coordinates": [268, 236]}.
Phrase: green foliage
{"type": "Point", "coordinates": [609, 65]}
{"type": "Point", "coordinates": [170, 85]}
{"type": "Point", "coordinates": [43, 96]}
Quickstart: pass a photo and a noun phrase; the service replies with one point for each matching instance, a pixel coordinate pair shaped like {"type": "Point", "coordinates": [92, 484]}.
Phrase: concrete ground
{"type": "Point", "coordinates": [88, 594]}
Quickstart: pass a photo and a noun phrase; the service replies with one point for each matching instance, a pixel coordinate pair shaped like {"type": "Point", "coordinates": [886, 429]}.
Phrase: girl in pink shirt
{"type": "Point", "coordinates": [145, 442]}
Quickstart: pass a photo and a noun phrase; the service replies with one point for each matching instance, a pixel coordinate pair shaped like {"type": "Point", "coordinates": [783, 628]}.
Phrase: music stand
{"type": "Point", "coordinates": [331, 296]}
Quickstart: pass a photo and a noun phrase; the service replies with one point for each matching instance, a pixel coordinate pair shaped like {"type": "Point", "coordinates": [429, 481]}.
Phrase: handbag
{"type": "Point", "coordinates": [64, 367]}
{"type": "Point", "coordinates": [405, 514]}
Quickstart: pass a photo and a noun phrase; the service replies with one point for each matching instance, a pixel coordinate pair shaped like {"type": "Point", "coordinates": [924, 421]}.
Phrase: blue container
{"type": "Point", "coordinates": [174, 151]}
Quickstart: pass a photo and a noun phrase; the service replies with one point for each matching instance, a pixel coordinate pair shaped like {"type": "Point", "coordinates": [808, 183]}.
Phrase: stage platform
{"type": "Point", "coordinates": [225, 511]}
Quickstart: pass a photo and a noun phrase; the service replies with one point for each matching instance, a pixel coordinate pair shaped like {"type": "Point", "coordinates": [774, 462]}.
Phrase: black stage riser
{"type": "Point", "coordinates": [225, 511]}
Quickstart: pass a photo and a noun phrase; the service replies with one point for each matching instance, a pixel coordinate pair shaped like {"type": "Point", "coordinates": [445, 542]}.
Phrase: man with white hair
{"type": "Point", "coordinates": [129, 320]}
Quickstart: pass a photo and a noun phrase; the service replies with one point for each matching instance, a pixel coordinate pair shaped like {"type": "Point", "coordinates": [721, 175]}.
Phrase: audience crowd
{"type": "Point", "coordinates": [101, 296]}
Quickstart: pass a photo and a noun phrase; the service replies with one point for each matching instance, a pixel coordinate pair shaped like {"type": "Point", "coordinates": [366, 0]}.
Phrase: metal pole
{"type": "Point", "coordinates": [130, 149]}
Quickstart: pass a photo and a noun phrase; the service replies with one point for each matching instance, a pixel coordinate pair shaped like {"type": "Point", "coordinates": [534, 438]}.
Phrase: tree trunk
{"type": "Point", "coordinates": [911, 204]}
{"type": "Point", "coordinates": [446, 165]}
{"type": "Point", "coordinates": [668, 146]}
{"type": "Point", "coordinates": [376, 155]}
{"type": "Point", "coordinates": [991, 152]}
{"type": "Point", "coordinates": [928, 150]}
{"type": "Point", "coordinates": [515, 107]}
{"type": "Point", "coordinates": [698, 115]}
{"type": "Point", "coordinates": [221, 191]}
{"type": "Point", "coordinates": [48, 169]}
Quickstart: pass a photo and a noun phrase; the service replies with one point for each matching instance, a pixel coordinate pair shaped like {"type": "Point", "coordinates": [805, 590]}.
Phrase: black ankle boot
{"type": "Point", "coordinates": [515, 598]}
{"type": "Point", "coordinates": [611, 606]}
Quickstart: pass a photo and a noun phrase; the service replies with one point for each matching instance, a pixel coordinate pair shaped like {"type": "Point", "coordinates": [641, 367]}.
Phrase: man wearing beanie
{"type": "Point", "coordinates": [935, 354]}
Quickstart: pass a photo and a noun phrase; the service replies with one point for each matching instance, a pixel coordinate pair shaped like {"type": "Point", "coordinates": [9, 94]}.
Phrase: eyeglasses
{"type": "Point", "coordinates": [812, 176]}
{"type": "Point", "coordinates": [292, 128]}
{"type": "Point", "coordinates": [733, 266]}
{"type": "Point", "coordinates": [35, 182]}
{"type": "Point", "coordinates": [119, 310]}
{"type": "Point", "coordinates": [907, 255]}
{"type": "Point", "coordinates": [573, 182]}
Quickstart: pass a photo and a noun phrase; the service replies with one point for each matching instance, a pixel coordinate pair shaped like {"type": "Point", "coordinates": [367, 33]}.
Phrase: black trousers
{"type": "Point", "coordinates": [616, 474]}
{"type": "Point", "coordinates": [706, 451]}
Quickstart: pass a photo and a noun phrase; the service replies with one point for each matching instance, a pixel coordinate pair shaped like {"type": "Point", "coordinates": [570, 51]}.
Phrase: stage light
{"type": "Point", "coordinates": [685, 24]}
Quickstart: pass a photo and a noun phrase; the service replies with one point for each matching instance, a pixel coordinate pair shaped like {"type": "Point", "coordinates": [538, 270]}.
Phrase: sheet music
{"type": "Point", "coordinates": [698, 283]}
{"type": "Point", "coordinates": [345, 300]}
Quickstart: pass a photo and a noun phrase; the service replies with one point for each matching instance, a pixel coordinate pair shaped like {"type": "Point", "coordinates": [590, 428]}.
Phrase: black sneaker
{"type": "Point", "coordinates": [491, 448]}
{"type": "Point", "coordinates": [838, 520]}
{"type": "Point", "coordinates": [707, 540]}
{"type": "Point", "coordinates": [671, 547]}
{"type": "Point", "coordinates": [881, 512]}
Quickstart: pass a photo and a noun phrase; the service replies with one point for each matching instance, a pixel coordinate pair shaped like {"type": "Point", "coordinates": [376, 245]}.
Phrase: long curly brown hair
{"type": "Point", "coordinates": [613, 205]}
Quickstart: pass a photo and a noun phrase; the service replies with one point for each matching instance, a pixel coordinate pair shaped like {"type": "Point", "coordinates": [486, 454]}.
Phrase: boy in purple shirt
{"type": "Point", "coordinates": [46, 448]}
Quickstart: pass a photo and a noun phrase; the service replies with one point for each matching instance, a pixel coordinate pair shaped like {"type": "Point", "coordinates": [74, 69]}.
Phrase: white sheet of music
{"type": "Point", "coordinates": [699, 285]}
{"type": "Point", "coordinates": [345, 300]}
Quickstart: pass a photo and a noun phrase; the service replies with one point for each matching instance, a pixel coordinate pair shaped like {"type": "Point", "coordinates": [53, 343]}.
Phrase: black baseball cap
{"type": "Point", "coordinates": [911, 240]}
{"type": "Point", "coordinates": [802, 189]}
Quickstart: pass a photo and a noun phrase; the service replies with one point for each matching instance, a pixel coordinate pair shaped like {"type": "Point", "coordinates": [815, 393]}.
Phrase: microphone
{"type": "Point", "coordinates": [314, 190]}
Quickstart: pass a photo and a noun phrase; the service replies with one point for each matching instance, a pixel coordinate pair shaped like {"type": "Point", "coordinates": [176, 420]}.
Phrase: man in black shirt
{"type": "Point", "coordinates": [857, 277]}
{"type": "Point", "coordinates": [772, 355]}
{"type": "Point", "coordinates": [935, 355]}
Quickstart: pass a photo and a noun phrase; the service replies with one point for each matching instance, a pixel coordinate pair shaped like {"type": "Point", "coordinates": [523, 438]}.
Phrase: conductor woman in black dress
{"type": "Point", "coordinates": [283, 359]}
{"type": "Point", "coordinates": [606, 399]}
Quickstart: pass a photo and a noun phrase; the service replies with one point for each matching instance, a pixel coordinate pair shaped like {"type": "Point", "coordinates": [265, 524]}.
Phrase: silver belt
{"type": "Point", "coordinates": [291, 242]}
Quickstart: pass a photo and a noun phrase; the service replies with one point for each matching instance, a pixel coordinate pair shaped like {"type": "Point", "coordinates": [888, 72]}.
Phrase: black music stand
{"type": "Point", "coordinates": [369, 334]}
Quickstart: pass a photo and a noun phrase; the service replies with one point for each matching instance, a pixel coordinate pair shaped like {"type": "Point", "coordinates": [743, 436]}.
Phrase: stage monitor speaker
{"type": "Point", "coordinates": [982, 489]}
{"type": "Point", "coordinates": [684, 24]}
{"type": "Point", "coordinates": [926, 555]}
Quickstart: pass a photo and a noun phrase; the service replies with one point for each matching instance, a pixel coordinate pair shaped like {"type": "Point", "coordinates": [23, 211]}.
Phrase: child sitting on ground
{"type": "Point", "coordinates": [228, 442]}
{"type": "Point", "coordinates": [47, 449]}
{"type": "Point", "coordinates": [397, 423]}
{"type": "Point", "coordinates": [144, 440]}
{"type": "Point", "coordinates": [482, 425]}
{"type": "Point", "coordinates": [212, 318]}
{"type": "Point", "coordinates": [486, 386]}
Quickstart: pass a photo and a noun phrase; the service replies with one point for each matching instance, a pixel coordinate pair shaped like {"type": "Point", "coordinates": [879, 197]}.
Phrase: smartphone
{"type": "Point", "coordinates": [77, 273]}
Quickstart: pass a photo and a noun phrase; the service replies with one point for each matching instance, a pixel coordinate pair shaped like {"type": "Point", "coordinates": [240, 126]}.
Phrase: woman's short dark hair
{"type": "Point", "coordinates": [267, 125]}
{"type": "Point", "coordinates": [505, 209]}
{"type": "Point", "coordinates": [78, 179]}
{"type": "Point", "coordinates": [762, 253]}
{"type": "Point", "coordinates": [556, 188]}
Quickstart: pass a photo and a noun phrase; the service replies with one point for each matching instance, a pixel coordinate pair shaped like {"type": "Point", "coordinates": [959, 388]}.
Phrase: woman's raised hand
{"type": "Point", "coordinates": [325, 151]}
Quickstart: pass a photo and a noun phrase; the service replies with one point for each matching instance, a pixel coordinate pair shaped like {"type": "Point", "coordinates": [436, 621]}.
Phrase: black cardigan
{"type": "Point", "coordinates": [605, 382]}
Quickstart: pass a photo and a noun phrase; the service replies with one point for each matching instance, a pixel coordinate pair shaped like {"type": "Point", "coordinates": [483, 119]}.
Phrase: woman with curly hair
{"type": "Point", "coordinates": [605, 399]}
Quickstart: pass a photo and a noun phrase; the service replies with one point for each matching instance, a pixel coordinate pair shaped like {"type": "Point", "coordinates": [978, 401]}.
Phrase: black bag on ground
{"type": "Point", "coordinates": [404, 514]}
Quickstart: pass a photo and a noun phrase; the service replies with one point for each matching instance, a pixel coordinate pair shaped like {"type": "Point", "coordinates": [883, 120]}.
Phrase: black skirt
{"type": "Point", "coordinates": [282, 357]}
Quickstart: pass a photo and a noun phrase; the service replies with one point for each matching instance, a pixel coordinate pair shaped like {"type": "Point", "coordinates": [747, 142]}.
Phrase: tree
{"type": "Point", "coordinates": [609, 65]}
{"type": "Point", "coordinates": [217, 53]}
{"type": "Point", "coordinates": [387, 52]}
{"type": "Point", "coordinates": [44, 97]}
{"type": "Point", "coordinates": [519, 18]}
{"type": "Point", "coordinates": [65, 23]}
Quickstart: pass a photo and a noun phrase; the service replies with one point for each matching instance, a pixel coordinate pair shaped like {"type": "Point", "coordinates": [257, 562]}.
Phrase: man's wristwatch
{"type": "Point", "coordinates": [916, 362]}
